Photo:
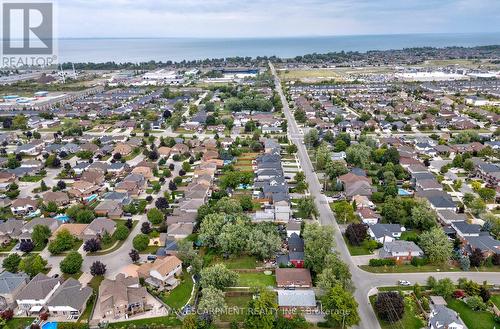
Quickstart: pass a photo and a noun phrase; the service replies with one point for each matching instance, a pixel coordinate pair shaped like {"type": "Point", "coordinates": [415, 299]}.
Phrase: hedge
{"type": "Point", "coordinates": [382, 262]}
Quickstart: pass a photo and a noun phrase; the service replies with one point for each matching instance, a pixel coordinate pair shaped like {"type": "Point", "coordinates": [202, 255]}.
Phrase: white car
{"type": "Point", "coordinates": [404, 283]}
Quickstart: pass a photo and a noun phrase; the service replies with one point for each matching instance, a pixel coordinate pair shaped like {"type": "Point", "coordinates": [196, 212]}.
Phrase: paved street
{"type": "Point", "coordinates": [363, 281]}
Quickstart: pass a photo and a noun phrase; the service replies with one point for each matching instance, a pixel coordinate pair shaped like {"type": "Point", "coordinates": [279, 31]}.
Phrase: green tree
{"type": "Point", "coordinates": [341, 306]}
{"type": "Point", "coordinates": [263, 243]}
{"type": "Point", "coordinates": [11, 262]}
{"type": "Point", "coordinates": [140, 242]}
{"type": "Point", "coordinates": [121, 232]}
{"type": "Point", "coordinates": [335, 169]}
{"type": "Point", "coordinates": [344, 211]}
{"type": "Point", "coordinates": [40, 235]}
{"type": "Point", "coordinates": [63, 241]}
{"type": "Point", "coordinates": [261, 311]}
{"type": "Point", "coordinates": [72, 263]}
{"type": "Point", "coordinates": [358, 155]}
{"type": "Point", "coordinates": [32, 264]}
{"type": "Point", "coordinates": [228, 206]}
{"type": "Point", "coordinates": [444, 288]}
{"type": "Point", "coordinates": [318, 241]}
{"type": "Point", "coordinates": [477, 206]}
{"type": "Point", "coordinates": [233, 237]}
{"type": "Point", "coordinates": [436, 245]}
{"type": "Point", "coordinates": [155, 216]}
{"type": "Point", "coordinates": [212, 301]}
{"type": "Point", "coordinates": [423, 217]}
{"type": "Point", "coordinates": [307, 208]}
{"type": "Point", "coordinates": [85, 216]}
{"type": "Point", "coordinates": [311, 139]}
{"type": "Point", "coordinates": [210, 228]}
{"type": "Point", "coordinates": [246, 202]}
{"type": "Point", "coordinates": [218, 276]}
{"type": "Point", "coordinates": [487, 194]}
{"type": "Point", "coordinates": [335, 272]}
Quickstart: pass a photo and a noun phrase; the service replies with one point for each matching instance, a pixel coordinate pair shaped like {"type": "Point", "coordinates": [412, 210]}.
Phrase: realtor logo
{"type": "Point", "coordinates": [27, 33]}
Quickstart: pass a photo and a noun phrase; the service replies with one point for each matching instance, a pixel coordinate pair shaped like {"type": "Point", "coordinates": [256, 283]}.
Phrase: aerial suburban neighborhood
{"type": "Point", "coordinates": [338, 190]}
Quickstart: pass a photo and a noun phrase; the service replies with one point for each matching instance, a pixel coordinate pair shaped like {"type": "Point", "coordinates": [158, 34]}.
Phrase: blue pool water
{"type": "Point", "coordinates": [50, 325]}
{"type": "Point", "coordinates": [91, 198]}
{"type": "Point", "coordinates": [403, 192]}
{"type": "Point", "coordinates": [62, 218]}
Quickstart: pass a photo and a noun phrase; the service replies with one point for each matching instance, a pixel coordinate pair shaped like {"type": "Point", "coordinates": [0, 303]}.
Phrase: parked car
{"type": "Point", "coordinates": [152, 258]}
{"type": "Point", "coordinates": [404, 283]}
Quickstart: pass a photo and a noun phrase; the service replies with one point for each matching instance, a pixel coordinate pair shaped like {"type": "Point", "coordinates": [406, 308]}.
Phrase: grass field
{"type": "Point", "coordinates": [236, 307]}
{"type": "Point", "coordinates": [472, 319]}
{"type": "Point", "coordinates": [407, 268]}
{"type": "Point", "coordinates": [178, 297]}
{"type": "Point", "coordinates": [409, 320]}
{"type": "Point", "coordinates": [164, 321]}
{"type": "Point", "coordinates": [240, 262]}
{"type": "Point", "coordinates": [356, 250]}
{"type": "Point", "coordinates": [496, 300]}
{"type": "Point", "coordinates": [258, 279]}
{"type": "Point", "coordinates": [17, 323]}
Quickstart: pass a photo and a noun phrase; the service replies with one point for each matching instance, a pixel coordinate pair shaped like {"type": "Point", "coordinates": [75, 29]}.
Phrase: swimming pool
{"type": "Point", "coordinates": [91, 198]}
{"type": "Point", "coordinates": [403, 192]}
{"type": "Point", "coordinates": [62, 218]}
{"type": "Point", "coordinates": [50, 325]}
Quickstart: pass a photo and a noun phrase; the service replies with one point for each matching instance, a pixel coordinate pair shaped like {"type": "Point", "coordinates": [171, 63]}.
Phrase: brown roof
{"type": "Point", "coordinates": [293, 277]}
{"type": "Point", "coordinates": [161, 265]}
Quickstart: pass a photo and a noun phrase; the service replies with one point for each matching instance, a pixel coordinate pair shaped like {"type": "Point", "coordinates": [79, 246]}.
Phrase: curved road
{"type": "Point", "coordinates": [363, 281]}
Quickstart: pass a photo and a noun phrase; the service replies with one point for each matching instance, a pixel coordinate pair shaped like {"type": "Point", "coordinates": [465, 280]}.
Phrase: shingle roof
{"type": "Point", "coordinates": [71, 293]}
{"type": "Point", "coordinates": [11, 281]}
{"type": "Point", "coordinates": [38, 288]}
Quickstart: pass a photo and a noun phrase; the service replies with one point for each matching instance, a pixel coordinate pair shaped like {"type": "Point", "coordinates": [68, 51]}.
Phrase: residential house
{"type": "Point", "coordinates": [304, 300]}
{"type": "Point", "coordinates": [82, 189]}
{"type": "Point", "coordinates": [400, 250]}
{"type": "Point", "coordinates": [293, 278]}
{"type": "Point", "coordinates": [486, 243]}
{"type": "Point", "coordinates": [10, 230]}
{"type": "Point", "coordinates": [27, 228]}
{"type": "Point", "coordinates": [93, 176]}
{"type": "Point", "coordinates": [10, 286]}
{"type": "Point", "coordinates": [163, 273]}
{"type": "Point", "coordinates": [110, 208]}
{"type": "Point", "coordinates": [122, 296]}
{"type": "Point", "coordinates": [69, 300]}
{"type": "Point", "coordinates": [465, 229]}
{"type": "Point", "coordinates": [23, 206]}
{"type": "Point", "coordinates": [441, 317]}
{"type": "Point", "coordinates": [385, 232]}
{"type": "Point", "coordinates": [98, 228]}
{"type": "Point", "coordinates": [355, 184]}
{"type": "Point", "coordinates": [60, 198]}
{"type": "Point", "coordinates": [35, 295]}
{"type": "Point", "coordinates": [75, 230]}
{"type": "Point", "coordinates": [368, 216]}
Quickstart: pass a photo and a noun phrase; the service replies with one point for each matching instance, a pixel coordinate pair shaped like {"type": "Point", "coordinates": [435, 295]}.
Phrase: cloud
{"type": "Point", "coordinates": [260, 18]}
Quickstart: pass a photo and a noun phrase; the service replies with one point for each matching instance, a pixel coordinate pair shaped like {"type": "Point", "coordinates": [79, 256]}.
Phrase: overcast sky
{"type": "Point", "coordinates": [268, 18]}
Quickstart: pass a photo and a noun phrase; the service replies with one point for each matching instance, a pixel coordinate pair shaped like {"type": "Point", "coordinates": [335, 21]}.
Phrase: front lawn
{"type": "Point", "coordinates": [408, 268]}
{"type": "Point", "coordinates": [178, 297]}
{"type": "Point", "coordinates": [472, 319]}
{"type": "Point", "coordinates": [255, 279]}
{"type": "Point", "coordinates": [164, 321]}
{"type": "Point", "coordinates": [8, 247]}
{"type": "Point", "coordinates": [74, 276]}
{"type": "Point", "coordinates": [31, 179]}
{"type": "Point", "coordinates": [496, 300]}
{"type": "Point", "coordinates": [356, 250]}
{"type": "Point", "coordinates": [410, 319]}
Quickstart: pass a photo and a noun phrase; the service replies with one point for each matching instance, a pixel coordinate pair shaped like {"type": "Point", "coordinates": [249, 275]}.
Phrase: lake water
{"type": "Point", "coordinates": [178, 49]}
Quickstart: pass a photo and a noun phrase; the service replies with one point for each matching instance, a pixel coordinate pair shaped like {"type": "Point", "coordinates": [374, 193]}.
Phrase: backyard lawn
{"type": "Point", "coordinates": [409, 320]}
{"type": "Point", "coordinates": [178, 297]}
{"type": "Point", "coordinates": [165, 321]}
{"type": "Point", "coordinates": [16, 323]}
{"type": "Point", "coordinates": [236, 307]}
{"type": "Point", "coordinates": [472, 319]}
{"type": "Point", "coordinates": [240, 262]}
{"type": "Point", "coordinates": [255, 279]}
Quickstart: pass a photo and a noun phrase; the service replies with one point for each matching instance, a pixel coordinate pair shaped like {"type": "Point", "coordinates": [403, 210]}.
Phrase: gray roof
{"type": "Point", "coordinates": [381, 230]}
{"type": "Point", "coordinates": [296, 298]}
{"type": "Point", "coordinates": [467, 228]}
{"type": "Point", "coordinates": [484, 242]}
{"type": "Point", "coordinates": [401, 246]}
{"type": "Point", "coordinates": [38, 288]}
{"type": "Point", "coordinates": [71, 293]}
{"type": "Point", "coordinates": [442, 317]}
{"type": "Point", "coordinates": [11, 281]}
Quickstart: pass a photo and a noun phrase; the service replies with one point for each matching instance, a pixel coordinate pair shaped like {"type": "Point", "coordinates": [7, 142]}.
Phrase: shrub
{"type": "Point", "coordinates": [476, 303]}
{"type": "Point", "coordinates": [72, 263]}
{"type": "Point", "coordinates": [458, 294]}
{"type": "Point", "coordinates": [417, 261]}
{"type": "Point", "coordinates": [382, 262]}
